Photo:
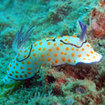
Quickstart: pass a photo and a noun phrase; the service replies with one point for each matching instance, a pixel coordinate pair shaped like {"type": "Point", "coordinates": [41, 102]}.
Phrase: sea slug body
{"type": "Point", "coordinates": [51, 51]}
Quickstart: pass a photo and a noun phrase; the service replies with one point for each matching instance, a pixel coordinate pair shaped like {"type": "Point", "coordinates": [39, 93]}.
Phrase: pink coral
{"type": "Point", "coordinates": [102, 3]}
{"type": "Point", "coordinates": [98, 23]}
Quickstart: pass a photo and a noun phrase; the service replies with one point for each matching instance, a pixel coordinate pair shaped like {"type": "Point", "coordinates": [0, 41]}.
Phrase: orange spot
{"type": "Point", "coordinates": [54, 44]}
{"type": "Point", "coordinates": [58, 37]}
{"type": "Point", "coordinates": [21, 51]}
{"type": "Point", "coordinates": [88, 55]}
{"type": "Point", "coordinates": [63, 58]}
{"type": "Point", "coordinates": [74, 61]}
{"type": "Point", "coordinates": [16, 76]}
{"type": "Point", "coordinates": [56, 61]}
{"type": "Point", "coordinates": [48, 43]}
{"type": "Point", "coordinates": [44, 49]}
{"type": "Point", "coordinates": [35, 45]}
{"type": "Point", "coordinates": [66, 35]}
{"type": "Point", "coordinates": [22, 62]}
{"type": "Point", "coordinates": [50, 50]}
{"type": "Point", "coordinates": [65, 53]}
{"type": "Point", "coordinates": [25, 56]}
{"type": "Point", "coordinates": [57, 48]}
{"type": "Point", "coordinates": [30, 57]}
{"type": "Point", "coordinates": [39, 59]}
{"type": "Point", "coordinates": [16, 72]}
{"type": "Point", "coordinates": [79, 55]}
{"type": "Point", "coordinates": [35, 63]}
{"type": "Point", "coordinates": [94, 57]}
{"type": "Point", "coordinates": [33, 50]}
{"type": "Point", "coordinates": [34, 54]}
{"type": "Point", "coordinates": [10, 74]}
{"type": "Point", "coordinates": [72, 48]}
{"type": "Point", "coordinates": [39, 48]}
{"type": "Point", "coordinates": [48, 54]}
{"type": "Point", "coordinates": [25, 75]}
{"type": "Point", "coordinates": [83, 49]}
{"type": "Point", "coordinates": [84, 58]}
{"type": "Point", "coordinates": [21, 76]}
{"type": "Point", "coordinates": [74, 36]}
{"type": "Point", "coordinates": [67, 48]}
{"type": "Point", "coordinates": [12, 71]}
{"type": "Point", "coordinates": [52, 63]}
{"type": "Point", "coordinates": [43, 59]}
{"type": "Point", "coordinates": [91, 52]}
{"type": "Point", "coordinates": [65, 39]}
{"type": "Point", "coordinates": [69, 60]}
{"type": "Point", "coordinates": [87, 45]}
{"type": "Point", "coordinates": [16, 64]}
{"type": "Point", "coordinates": [28, 62]}
{"type": "Point", "coordinates": [61, 44]}
{"type": "Point", "coordinates": [40, 43]}
{"type": "Point", "coordinates": [68, 41]}
{"type": "Point", "coordinates": [55, 54]}
{"type": "Point", "coordinates": [7, 68]}
{"type": "Point", "coordinates": [49, 59]}
{"type": "Point", "coordinates": [73, 54]}
{"type": "Point", "coordinates": [10, 65]}
{"type": "Point", "coordinates": [14, 67]}
{"type": "Point", "coordinates": [25, 51]}
{"type": "Point", "coordinates": [77, 49]}
{"type": "Point", "coordinates": [21, 67]}
{"type": "Point", "coordinates": [42, 55]}
{"type": "Point", "coordinates": [18, 54]}
{"type": "Point", "coordinates": [22, 71]}
{"type": "Point", "coordinates": [42, 64]}
{"type": "Point", "coordinates": [28, 68]}
{"type": "Point", "coordinates": [61, 52]}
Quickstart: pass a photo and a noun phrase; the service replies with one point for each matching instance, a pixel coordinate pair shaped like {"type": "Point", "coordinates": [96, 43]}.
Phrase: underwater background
{"type": "Point", "coordinates": [82, 84]}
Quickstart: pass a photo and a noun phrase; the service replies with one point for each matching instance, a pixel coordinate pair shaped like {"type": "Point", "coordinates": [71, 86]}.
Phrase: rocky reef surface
{"type": "Point", "coordinates": [83, 84]}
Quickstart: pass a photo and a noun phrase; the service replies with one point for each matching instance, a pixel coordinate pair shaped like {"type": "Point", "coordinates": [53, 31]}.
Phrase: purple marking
{"type": "Point", "coordinates": [81, 25]}
{"type": "Point", "coordinates": [83, 33]}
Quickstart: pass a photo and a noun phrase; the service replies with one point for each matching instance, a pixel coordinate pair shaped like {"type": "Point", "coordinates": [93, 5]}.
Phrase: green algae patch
{"type": "Point", "coordinates": [8, 89]}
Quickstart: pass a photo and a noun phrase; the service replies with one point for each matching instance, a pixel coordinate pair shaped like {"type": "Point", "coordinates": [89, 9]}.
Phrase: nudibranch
{"type": "Point", "coordinates": [48, 51]}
